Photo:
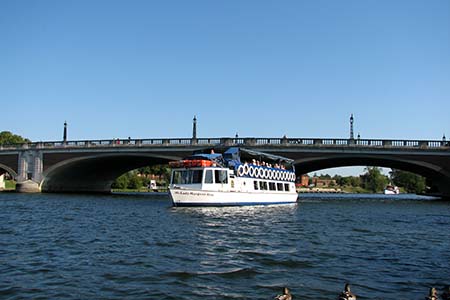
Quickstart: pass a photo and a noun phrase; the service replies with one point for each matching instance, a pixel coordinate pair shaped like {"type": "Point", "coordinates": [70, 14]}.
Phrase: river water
{"type": "Point", "coordinates": [139, 247]}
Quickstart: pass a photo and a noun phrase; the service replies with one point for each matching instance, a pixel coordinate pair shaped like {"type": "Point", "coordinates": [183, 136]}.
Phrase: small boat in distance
{"type": "Point", "coordinates": [236, 177]}
{"type": "Point", "coordinates": [391, 190]}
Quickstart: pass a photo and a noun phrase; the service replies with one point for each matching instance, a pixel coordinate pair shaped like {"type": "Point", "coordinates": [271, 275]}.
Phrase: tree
{"type": "Point", "coordinates": [135, 182]}
{"type": "Point", "coordinates": [373, 180]}
{"type": "Point", "coordinates": [354, 181]}
{"type": "Point", "coordinates": [412, 183]}
{"type": "Point", "coordinates": [121, 182]}
{"type": "Point", "coordinates": [6, 137]}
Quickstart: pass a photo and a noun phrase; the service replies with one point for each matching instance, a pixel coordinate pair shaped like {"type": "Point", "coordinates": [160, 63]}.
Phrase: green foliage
{"type": "Point", "coordinates": [10, 185]}
{"type": "Point", "coordinates": [350, 181]}
{"type": "Point", "coordinates": [373, 180]}
{"type": "Point", "coordinates": [159, 170]}
{"type": "Point", "coordinates": [7, 138]}
{"type": "Point", "coordinates": [326, 176]}
{"type": "Point", "coordinates": [412, 183]}
{"type": "Point", "coordinates": [133, 181]}
{"type": "Point", "coordinates": [121, 182]}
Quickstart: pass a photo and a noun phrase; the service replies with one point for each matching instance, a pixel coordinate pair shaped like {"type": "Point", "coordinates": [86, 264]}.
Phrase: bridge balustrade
{"type": "Point", "coordinates": [310, 142]}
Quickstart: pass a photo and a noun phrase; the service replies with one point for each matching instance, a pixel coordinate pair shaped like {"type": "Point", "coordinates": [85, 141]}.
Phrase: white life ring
{"type": "Point", "coordinates": [271, 174]}
{"type": "Point", "coordinates": [277, 174]}
{"type": "Point", "coordinates": [257, 172]}
{"type": "Point", "coordinates": [246, 168]}
{"type": "Point", "coordinates": [240, 170]}
{"type": "Point", "coordinates": [266, 173]}
{"type": "Point", "coordinates": [251, 171]}
{"type": "Point", "coordinates": [261, 173]}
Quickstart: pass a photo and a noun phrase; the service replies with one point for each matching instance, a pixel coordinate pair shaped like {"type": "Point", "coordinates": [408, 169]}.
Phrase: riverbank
{"type": "Point", "coordinates": [336, 190]}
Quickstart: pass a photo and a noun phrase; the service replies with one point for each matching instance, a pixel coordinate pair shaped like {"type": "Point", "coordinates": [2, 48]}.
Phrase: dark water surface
{"type": "Point", "coordinates": [139, 247]}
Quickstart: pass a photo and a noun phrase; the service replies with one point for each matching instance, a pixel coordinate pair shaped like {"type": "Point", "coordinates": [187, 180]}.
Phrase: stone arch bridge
{"type": "Point", "coordinates": [92, 166]}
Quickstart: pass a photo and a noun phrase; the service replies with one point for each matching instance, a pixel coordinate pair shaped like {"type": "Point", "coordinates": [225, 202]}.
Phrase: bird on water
{"type": "Point", "coordinates": [432, 295]}
{"type": "Point", "coordinates": [285, 296]}
{"type": "Point", "coordinates": [347, 294]}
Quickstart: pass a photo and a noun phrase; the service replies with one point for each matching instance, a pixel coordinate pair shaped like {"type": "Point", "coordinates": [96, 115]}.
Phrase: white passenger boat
{"type": "Point", "coordinates": [236, 177]}
{"type": "Point", "coordinates": [391, 190]}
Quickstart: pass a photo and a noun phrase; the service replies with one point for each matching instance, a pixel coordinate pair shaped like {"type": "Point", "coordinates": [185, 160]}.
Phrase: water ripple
{"type": "Point", "coordinates": [139, 247]}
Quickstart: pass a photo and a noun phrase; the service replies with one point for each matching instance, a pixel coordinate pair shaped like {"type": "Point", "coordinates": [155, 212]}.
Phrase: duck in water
{"type": "Point", "coordinates": [432, 295]}
{"type": "Point", "coordinates": [285, 296]}
{"type": "Point", "coordinates": [347, 294]}
{"type": "Point", "coordinates": [446, 294]}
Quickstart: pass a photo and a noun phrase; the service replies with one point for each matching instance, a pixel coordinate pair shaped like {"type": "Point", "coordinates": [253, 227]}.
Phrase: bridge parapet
{"type": "Point", "coordinates": [226, 141]}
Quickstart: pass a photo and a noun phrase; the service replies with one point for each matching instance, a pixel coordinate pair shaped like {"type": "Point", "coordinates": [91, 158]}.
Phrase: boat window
{"type": "Point", "coordinates": [286, 187]}
{"type": "Point", "coordinates": [272, 186]}
{"type": "Point", "coordinates": [197, 176]}
{"type": "Point", "coordinates": [209, 176]}
{"type": "Point", "coordinates": [187, 176]}
{"type": "Point", "coordinates": [279, 186]}
{"type": "Point", "coordinates": [255, 185]}
{"type": "Point", "coordinates": [221, 176]}
{"type": "Point", "coordinates": [263, 185]}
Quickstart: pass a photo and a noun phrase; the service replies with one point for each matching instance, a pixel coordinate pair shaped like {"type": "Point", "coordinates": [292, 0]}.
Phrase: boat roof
{"type": "Point", "coordinates": [235, 152]}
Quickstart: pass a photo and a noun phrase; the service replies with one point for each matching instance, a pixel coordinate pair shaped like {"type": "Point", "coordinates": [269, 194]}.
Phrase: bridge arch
{"type": "Point", "coordinates": [8, 169]}
{"type": "Point", "coordinates": [435, 173]}
{"type": "Point", "coordinates": [94, 173]}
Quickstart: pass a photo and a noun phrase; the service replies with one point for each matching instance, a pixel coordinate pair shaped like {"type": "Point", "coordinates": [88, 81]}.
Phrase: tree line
{"type": "Point", "coordinates": [140, 178]}
{"type": "Point", "coordinates": [374, 181]}
{"type": "Point", "coordinates": [8, 138]}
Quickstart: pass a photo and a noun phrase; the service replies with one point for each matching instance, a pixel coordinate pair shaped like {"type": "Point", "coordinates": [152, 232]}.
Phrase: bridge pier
{"type": "Point", "coordinates": [30, 171]}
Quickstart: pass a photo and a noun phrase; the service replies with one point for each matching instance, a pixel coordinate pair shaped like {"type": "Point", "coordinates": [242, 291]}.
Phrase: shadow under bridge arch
{"type": "Point", "coordinates": [437, 175]}
{"type": "Point", "coordinates": [94, 174]}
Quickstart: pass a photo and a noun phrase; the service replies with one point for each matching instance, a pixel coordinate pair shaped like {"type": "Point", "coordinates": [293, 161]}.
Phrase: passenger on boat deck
{"type": "Point", "coordinates": [254, 161]}
{"type": "Point", "coordinates": [276, 166]}
{"type": "Point", "coordinates": [264, 163]}
{"type": "Point", "coordinates": [282, 167]}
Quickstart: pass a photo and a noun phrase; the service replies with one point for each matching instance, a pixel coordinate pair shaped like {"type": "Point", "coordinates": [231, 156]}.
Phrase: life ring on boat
{"type": "Point", "coordinates": [269, 174]}
{"type": "Point", "coordinates": [251, 171]}
{"type": "Point", "coordinates": [261, 173]}
{"type": "Point", "coordinates": [256, 172]}
{"type": "Point", "coordinates": [266, 174]}
{"type": "Point", "coordinates": [240, 170]}
{"type": "Point", "coordinates": [284, 178]}
{"type": "Point", "coordinates": [245, 169]}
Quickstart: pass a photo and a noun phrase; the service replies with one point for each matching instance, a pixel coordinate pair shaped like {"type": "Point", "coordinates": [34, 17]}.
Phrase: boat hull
{"type": "Point", "coordinates": [191, 197]}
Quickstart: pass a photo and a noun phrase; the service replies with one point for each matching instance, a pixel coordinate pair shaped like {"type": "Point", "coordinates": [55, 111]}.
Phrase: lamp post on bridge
{"type": "Point", "coordinates": [352, 137]}
{"type": "Point", "coordinates": [65, 133]}
{"type": "Point", "coordinates": [194, 130]}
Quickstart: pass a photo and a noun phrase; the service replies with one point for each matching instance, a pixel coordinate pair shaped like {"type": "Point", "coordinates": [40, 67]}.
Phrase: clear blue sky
{"type": "Point", "coordinates": [143, 69]}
